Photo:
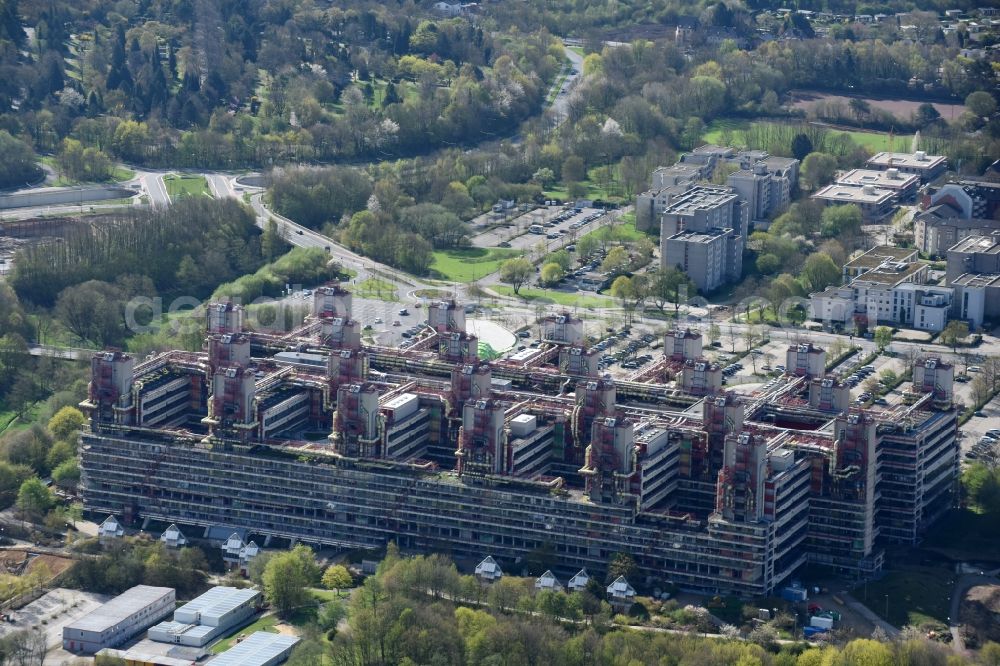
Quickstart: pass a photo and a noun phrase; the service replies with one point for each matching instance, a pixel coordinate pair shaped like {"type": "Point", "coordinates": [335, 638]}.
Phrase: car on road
{"type": "Point", "coordinates": [298, 231]}
{"type": "Point", "coordinates": [980, 413]}
{"type": "Point", "coordinates": [378, 320]}
{"type": "Point", "coordinates": [524, 334]}
{"type": "Point", "coordinates": [397, 323]}
{"type": "Point", "coordinates": [503, 244]}
{"type": "Point", "coordinates": [404, 312]}
{"type": "Point", "coordinates": [975, 368]}
{"type": "Point", "coordinates": [995, 432]}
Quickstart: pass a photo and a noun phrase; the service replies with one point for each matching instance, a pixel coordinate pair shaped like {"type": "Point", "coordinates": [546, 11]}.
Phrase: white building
{"type": "Point", "coordinates": [620, 593]}
{"type": "Point", "coordinates": [927, 167]}
{"type": "Point", "coordinates": [173, 537]}
{"type": "Point", "coordinates": [488, 570]}
{"type": "Point", "coordinates": [210, 615]}
{"type": "Point", "coordinates": [548, 581]}
{"type": "Point", "coordinates": [110, 529]}
{"type": "Point", "coordinates": [119, 620]}
{"type": "Point", "coordinates": [578, 582]}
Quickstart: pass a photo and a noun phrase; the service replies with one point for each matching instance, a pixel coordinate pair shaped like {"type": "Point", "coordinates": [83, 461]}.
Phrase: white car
{"type": "Point", "coordinates": [378, 320]}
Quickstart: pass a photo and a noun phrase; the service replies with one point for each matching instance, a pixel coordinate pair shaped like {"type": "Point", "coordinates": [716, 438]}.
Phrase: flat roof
{"type": "Point", "coordinates": [219, 600]}
{"type": "Point", "coordinates": [917, 160]}
{"type": "Point", "coordinates": [256, 650]}
{"type": "Point", "coordinates": [692, 236]}
{"type": "Point", "coordinates": [978, 280]}
{"type": "Point", "coordinates": [978, 245]}
{"type": "Point", "coordinates": [879, 255]}
{"type": "Point", "coordinates": [699, 197]}
{"type": "Point", "coordinates": [120, 608]}
{"type": "Point", "coordinates": [884, 179]}
{"type": "Point", "coordinates": [890, 274]}
{"type": "Point", "coordinates": [853, 194]}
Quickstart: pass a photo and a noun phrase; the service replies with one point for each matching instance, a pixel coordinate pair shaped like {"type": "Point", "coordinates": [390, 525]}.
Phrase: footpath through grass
{"type": "Point", "coordinates": [558, 297]}
{"type": "Point", "coordinates": [468, 264]}
{"type": "Point", "coordinates": [186, 186]}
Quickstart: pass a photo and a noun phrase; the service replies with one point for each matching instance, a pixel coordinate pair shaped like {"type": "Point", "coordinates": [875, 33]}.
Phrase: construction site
{"type": "Point", "coordinates": [315, 437]}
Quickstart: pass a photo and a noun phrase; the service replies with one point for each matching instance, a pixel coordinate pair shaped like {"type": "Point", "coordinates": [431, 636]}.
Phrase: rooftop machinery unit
{"type": "Point", "coordinates": [340, 333]}
{"type": "Point", "coordinates": [356, 423]}
{"type": "Point", "coordinates": [110, 391]}
{"type": "Point", "coordinates": [458, 347]}
{"type": "Point", "coordinates": [231, 405]}
{"type": "Point", "coordinates": [578, 362]}
{"type": "Point", "coordinates": [470, 382]}
{"type": "Point", "coordinates": [481, 438]}
{"type": "Point", "coordinates": [723, 415]}
{"type": "Point", "coordinates": [332, 301]}
{"type": "Point", "coordinates": [228, 350]}
{"type": "Point", "coordinates": [446, 317]}
{"type": "Point", "coordinates": [609, 459]}
{"type": "Point", "coordinates": [595, 399]}
{"type": "Point", "coordinates": [740, 491]}
{"type": "Point", "coordinates": [225, 318]}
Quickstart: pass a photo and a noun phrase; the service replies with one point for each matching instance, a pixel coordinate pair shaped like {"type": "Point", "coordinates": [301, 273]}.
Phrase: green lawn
{"type": "Point", "coordinates": [626, 233]}
{"type": "Point", "coordinates": [873, 141]}
{"type": "Point", "coordinates": [265, 623]}
{"type": "Point", "coordinates": [186, 186]}
{"type": "Point", "coordinates": [558, 297]}
{"type": "Point", "coordinates": [376, 288]}
{"type": "Point", "coordinates": [469, 264]}
{"type": "Point", "coordinates": [609, 191]}
{"type": "Point", "coordinates": [576, 49]}
{"type": "Point", "coordinates": [916, 595]}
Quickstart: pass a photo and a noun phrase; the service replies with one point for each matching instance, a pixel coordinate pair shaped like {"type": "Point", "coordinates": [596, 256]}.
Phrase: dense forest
{"type": "Point", "coordinates": [222, 83]}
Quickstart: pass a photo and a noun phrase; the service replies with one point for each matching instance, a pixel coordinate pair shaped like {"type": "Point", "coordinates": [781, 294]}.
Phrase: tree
{"type": "Point", "coordinates": [516, 272]}
{"type": "Point", "coordinates": [272, 241]}
{"type": "Point", "coordinates": [551, 274]}
{"type": "Point", "coordinates": [287, 576]}
{"type": "Point", "coordinates": [981, 104]}
{"type": "Point", "coordinates": [714, 333]}
{"type": "Point", "coordinates": [65, 424]}
{"type": "Point", "coordinates": [867, 652]}
{"type": "Point", "coordinates": [67, 474]}
{"type": "Point", "coordinates": [574, 169]}
{"type": "Point", "coordinates": [925, 115]}
{"type": "Point", "coordinates": [954, 332]}
{"type": "Point", "coordinates": [841, 221]}
{"type": "Point", "coordinates": [671, 286]}
{"type": "Point", "coordinates": [883, 337]}
{"type": "Point", "coordinates": [817, 170]}
{"type": "Point", "coordinates": [623, 289]}
{"type": "Point", "coordinates": [34, 498]}
{"type": "Point", "coordinates": [18, 162]}
{"type": "Point", "coordinates": [93, 311]}
{"type": "Point", "coordinates": [544, 177]}
{"type": "Point", "coordinates": [820, 272]}
{"type": "Point", "coordinates": [616, 262]}
{"type": "Point", "coordinates": [336, 577]}
{"type": "Point", "coordinates": [621, 564]}
{"type": "Point", "coordinates": [801, 146]}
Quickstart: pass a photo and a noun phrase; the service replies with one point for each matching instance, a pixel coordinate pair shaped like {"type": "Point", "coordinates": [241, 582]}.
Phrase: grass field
{"type": "Point", "coordinates": [626, 233]}
{"type": "Point", "coordinates": [915, 595]}
{"type": "Point", "coordinates": [376, 288]}
{"type": "Point", "coordinates": [469, 264]}
{"type": "Point", "coordinates": [186, 186]}
{"type": "Point", "coordinates": [557, 297]}
{"type": "Point", "coordinates": [873, 141]}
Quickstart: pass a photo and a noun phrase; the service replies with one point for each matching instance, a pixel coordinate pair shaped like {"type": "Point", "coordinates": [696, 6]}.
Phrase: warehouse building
{"type": "Point", "coordinates": [204, 618]}
{"type": "Point", "coordinates": [119, 620]}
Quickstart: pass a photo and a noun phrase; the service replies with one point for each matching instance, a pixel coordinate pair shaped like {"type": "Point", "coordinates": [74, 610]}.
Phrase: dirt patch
{"type": "Point", "coordinates": [55, 564]}
{"type": "Point", "coordinates": [901, 108]}
{"type": "Point", "coordinates": [980, 613]}
{"type": "Point", "coordinates": [286, 629]}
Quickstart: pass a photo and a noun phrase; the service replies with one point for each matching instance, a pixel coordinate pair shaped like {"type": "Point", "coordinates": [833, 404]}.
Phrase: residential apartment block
{"type": "Point", "coordinates": [763, 181]}
{"type": "Point", "coordinates": [940, 227]}
{"type": "Point", "coordinates": [722, 493]}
